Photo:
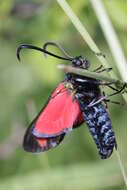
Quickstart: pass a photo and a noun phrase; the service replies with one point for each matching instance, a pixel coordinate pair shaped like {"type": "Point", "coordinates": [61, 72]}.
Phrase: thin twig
{"type": "Point", "coordinates": [87, 73]}
{"type": "Point", "coordinates": [121, 166]}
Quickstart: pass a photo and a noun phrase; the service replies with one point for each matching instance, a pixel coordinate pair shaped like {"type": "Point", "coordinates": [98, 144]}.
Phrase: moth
{"type": "Point", "coordinates": [76, 100]}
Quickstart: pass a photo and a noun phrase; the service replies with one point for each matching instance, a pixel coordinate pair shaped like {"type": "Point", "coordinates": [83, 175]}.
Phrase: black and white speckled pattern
{"type": "Point", "coordinates": [96, 117]}
{"type": "Point", "coordinates": [100, 127]}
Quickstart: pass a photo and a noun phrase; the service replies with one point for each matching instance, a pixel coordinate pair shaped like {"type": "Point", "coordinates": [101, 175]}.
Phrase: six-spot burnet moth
{"type": "Point", "coordinates": [77, 99]}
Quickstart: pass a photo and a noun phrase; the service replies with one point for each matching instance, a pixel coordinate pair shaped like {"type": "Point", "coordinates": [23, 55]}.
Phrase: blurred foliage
{"type": "Point", "coordinates": [75, 163]}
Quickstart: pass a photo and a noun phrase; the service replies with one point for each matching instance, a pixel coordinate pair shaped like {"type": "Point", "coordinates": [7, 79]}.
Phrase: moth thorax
{"type": "Point", "coordinates": [70, 87]}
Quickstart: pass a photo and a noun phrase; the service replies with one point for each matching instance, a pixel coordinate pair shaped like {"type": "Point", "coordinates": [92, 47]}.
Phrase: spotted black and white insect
{"type": "Point", "coordinates": [76, 100]}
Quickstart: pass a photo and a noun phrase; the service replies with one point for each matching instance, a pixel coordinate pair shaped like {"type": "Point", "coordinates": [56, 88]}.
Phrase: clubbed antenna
{"type": "Point", "coordinates": [27, 46]}
{"type": "Point", "coordinates": [59, 47]}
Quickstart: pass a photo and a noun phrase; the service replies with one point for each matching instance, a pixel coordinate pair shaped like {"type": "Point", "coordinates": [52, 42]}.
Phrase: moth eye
{"type": "Point", "coordinates": [79, 63]}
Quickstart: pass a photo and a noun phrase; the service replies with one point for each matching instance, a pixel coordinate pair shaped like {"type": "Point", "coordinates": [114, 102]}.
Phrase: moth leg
{"type": "Point", "coordinates": [99, 54]}
{"type": "Point", "coordinates": [119, 91]}
{"type": "Point", "coordinates": [100, 70]}
{"type": "Point", "coordinates": [110, 101]}
{"type": "Point", "coordinates": [95, 102]}
{"type": "Point", "coordinates": [115, 89]}
{"type": "Point", "coordinates": [106, 69]}
{"type": "Point", "coordinates": [103, 93]}
{"type": "Point", "coordinates": [104, 98]}
{"type": "Point", "coordinates": [116, 102]}
{"type": "Point", "coordinates": [108, 84]}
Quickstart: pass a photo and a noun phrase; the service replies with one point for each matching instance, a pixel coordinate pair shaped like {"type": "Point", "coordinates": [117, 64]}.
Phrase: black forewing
{"type": "Point", "coordinates": [32, 143]}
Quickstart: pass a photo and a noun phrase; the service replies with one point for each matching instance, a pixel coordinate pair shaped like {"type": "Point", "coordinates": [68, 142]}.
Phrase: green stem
{"type": "Point", "coordinates": [86, 73]}
{"type": "Point", "coordinates": [121, 166]}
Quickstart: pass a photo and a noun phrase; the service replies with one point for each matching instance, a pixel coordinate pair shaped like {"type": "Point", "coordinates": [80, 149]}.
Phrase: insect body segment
{"type": "Point", "coordinates": [100, 126]}
{"type": "Point", "coordinates": [96, 117]}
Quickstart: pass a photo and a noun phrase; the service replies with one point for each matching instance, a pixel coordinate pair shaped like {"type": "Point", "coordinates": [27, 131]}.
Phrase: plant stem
{"type": "Point", "coordinates": [87, 73]}
{"type": "Point", "coordinates": [111, 37]}
{"type": "Point", "coordinates": [121, 166]}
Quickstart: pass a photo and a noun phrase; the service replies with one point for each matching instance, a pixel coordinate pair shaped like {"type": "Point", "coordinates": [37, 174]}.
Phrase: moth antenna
{"type": "Point", "coordinates": [58, 46]}
{"type": "Point", "coordinates": [27, 46]}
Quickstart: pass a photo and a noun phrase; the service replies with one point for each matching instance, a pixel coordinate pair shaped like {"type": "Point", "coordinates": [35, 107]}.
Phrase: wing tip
{"type": "Point", "coordinates": [30, 144]}
{"type": "Point", "coordinates": [34, 144]}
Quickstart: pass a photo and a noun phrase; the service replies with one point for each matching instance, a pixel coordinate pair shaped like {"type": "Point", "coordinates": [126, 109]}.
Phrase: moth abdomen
{"type": "Point", "coordinates": [100, 127]}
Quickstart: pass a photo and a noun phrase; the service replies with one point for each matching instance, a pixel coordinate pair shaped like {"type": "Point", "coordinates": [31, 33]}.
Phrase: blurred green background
{"type": "Point", "coordinates": [24, 89]}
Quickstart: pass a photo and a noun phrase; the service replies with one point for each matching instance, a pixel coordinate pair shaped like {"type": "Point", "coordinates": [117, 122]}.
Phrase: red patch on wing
{"type": "Point", "coordinates": [48, 143]}
{"type": "Point", "coordinates": [42, 142]}
{"type": "Point", "coordinates": [58, 116]}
